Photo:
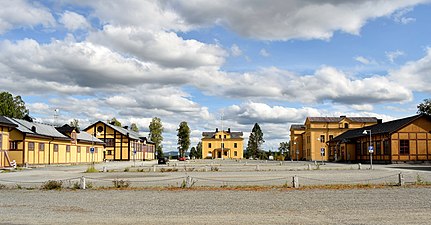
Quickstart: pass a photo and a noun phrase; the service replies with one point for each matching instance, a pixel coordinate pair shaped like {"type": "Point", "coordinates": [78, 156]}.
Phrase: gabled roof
{"type": "Point", "coordinates": [132, 134]}
{"type": "Point", "coordinates": [35, 128]}
{"type": "Point", "coordinates": [339, 119]}
{"type": "Point", "coordinates": [382, 128]}
{"type": "Point", "coordinates": [297, 127]}
{"type": "Point", "coordinates": [4, 121]}
{"type": "Point", "coordinates": [84, 136]}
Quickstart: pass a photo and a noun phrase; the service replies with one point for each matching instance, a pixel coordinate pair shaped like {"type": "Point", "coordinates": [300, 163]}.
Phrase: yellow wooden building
{"type": "Point", "coordinates": [122, 144]}
{"type": "Point", "coordinates": [311, 138]}
{"type": "Point", "coordinates": [403, 140]}
{"type": "Point", "coordinates": [32, 143]}
{"type": "Point", "coordinates": [222, 144]}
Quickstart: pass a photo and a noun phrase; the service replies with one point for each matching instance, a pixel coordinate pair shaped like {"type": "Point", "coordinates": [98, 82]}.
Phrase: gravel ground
{"type": "Point", "coordinates": [395, 205]}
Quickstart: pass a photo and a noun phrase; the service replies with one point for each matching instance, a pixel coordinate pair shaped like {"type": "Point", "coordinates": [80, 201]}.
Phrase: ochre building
{"type": "Point", "coordinates": [32, 143]}
{"type": "Point", "coordinates": [122, 144]}
{"type": "Point", "coordinates": [310, 139]}
{"type": "Point", "coordinates": [403, 140]}
{"type": "Point", "coordinates": [222, 144]}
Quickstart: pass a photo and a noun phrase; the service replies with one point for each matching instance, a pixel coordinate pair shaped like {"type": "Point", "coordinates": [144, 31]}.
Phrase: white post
{"type": "Point", "coordinates": [83, 183]}
{"type": "Point", "coordinates": [295, 182]}
{"type": "Point", "coordinates": [400, 179]}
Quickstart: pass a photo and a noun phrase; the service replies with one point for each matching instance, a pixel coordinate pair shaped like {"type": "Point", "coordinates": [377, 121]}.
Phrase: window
{"type": "Point", "coordinates": [110, 142]}
{"type": "Point", "coordinates": [225, 153]}
{"type": "Point", "coordinates": [1, 141]}
{"type": "Point", "coordinates": [364, 148]}
{"type": "Point", "coordinates": [55, 147]}
{"type": "Point", "coordinates": [41, 146]}
{"type": "Point", "coordinates": [404, 147]}
{"type": "Point", "coordinates": [219, 136]}
{"type": "Point", "coordinates": [13, 145]}
{"type": "Point", "coordinates": [331, 137]}
{"type": "Point", "coordinates": [386, 149]}
{"type": "Point", "coordinates": [88, 149]}
{"type": "Point", "coordinates": [73, 136]}
{"type": "Point", "coordinates": [378, 148]}
{"type": "Point", "coordinates": [95, 149]}
{"type": "Point", "coordinates": [209, 145]}
{"type": "Point", "coordinates": [224, 136]}
{"type": "Point", "coordinates": [31, 146]}
{"type": "Point", "coordinates": [78, 149]}
{"type": "Point", "coordinates": [346, 125]}
{"type": "Point", "coordinates": [67, 148]}
{"type": "Point", "coordinates": [322, 138]}
{"type": "Point", "coordinates": [235, 153]}
{"type": "Point", "coordinates": [235, 145]}
{"type": "Point", "coordinates": [222, 145]}
{"type": "Point", "coordinates": [109, 152]}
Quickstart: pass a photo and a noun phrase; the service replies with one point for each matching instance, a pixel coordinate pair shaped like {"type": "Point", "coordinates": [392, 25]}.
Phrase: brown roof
{"type": "Point", "coordinates": [297, 127]}
{"type": "Point", "coordinates": [212, 134]}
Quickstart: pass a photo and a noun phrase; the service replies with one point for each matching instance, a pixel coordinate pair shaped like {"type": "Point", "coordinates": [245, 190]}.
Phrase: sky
{"type": "Point", "coordinates": [272, 62]}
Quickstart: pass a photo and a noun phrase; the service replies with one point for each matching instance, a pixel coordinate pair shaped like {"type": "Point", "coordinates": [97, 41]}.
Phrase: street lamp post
{"type": "Point", "coordinates": [370, 148]}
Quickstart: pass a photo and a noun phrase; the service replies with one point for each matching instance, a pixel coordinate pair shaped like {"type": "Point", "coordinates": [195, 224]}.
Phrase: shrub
{"type": "Point", "coordinates": [91, 169]}
{"type": "Point", "coordinates": [126, 169]}
{"type": "Point", "coordinates": [52, 185]}
{"type": "Point", "coordinates": [121, 183]}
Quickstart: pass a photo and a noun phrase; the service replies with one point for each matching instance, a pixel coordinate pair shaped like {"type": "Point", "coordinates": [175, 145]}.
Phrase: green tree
{"type": "Point", "coordinates": [183, 138]}
{"type": "Point", "coordinates": [134, 127]}
{"type": "Point", "coordinates": [255, 140]}
{"type": "Point", "coordinates": [74, 123]}
{"type": "Point", "coordinates": [199, 150]}
{"type": "Point", "coordinates": [284, 148]}
{"type": "Point", "coordinates": [425, 106]}
{"type": "Point", "coordinates": [115, 122]}
{"type": "Point", "coordinates": [193, 153]}
{"type": "Point", "coordinates": [156, 131]}
{"type": "Point", "coordinates": [11, 106]}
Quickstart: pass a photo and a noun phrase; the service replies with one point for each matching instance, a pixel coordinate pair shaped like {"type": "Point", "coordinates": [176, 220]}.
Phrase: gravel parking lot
{"type": "Point", "coordinates": [357, 206]}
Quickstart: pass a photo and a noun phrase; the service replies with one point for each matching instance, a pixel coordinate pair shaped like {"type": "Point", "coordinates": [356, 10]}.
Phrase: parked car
{"type": "Point", "coordinates": [182, 159]}
{"type": "Point", "coordinates": [162, 160]}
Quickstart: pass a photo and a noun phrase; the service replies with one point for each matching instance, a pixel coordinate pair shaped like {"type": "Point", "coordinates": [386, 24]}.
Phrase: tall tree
{"type": "Point", "coordinates": [11, 106]}
{"type": "Point", "coordinates": [156, 131]}
{"type": "Point", "coordinates": [115, 122]}
{"type": "Point", "coordinates": [255, 140]}
{"type": "Point", "coordinates": [284, 148]}
{"type": "Point", "coordinates": [183, 138]}
{"type": "Point", "coordinates": [193, 153]}
{"type": "Point", "coordinates": [199, 150]}
{"type": "Point", "coordinates": [425, 106]}
{"type": "Point", "coordinates": [74, 123]}
{"type": "Point", "coordinates": [134, 127]}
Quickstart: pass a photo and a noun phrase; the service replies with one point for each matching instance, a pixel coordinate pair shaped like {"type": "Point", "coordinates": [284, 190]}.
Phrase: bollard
{"type": "Point", "coordinates": [188, 182]}
{"type": "Point", "coordinates": [315, 163]}
{"type": "Point", "coordinates": [82, 183]}
{"type": "Point", "coordinates": [257, 167]}
{"type": "Point", "coordinates": [104, 169]}
{"type": "Point", "coordinates": [295, 182]}
{"type": "Point", "coordinates": [400, 179]}
{"type": "Point", "coordinates": [359, 166]}
{"type": "Point", "coordinates": [281, 163]}
{"type": "Point", "coordinates": [309, 167]}
{"type": "Point", "coordinates": [206, 169]}
{"type": "Point", "coordinates": [154, 168]}
{"type": "Point", "coordinates": [266, 161]}
{"type": "Point", "coordinates": [176, 164]}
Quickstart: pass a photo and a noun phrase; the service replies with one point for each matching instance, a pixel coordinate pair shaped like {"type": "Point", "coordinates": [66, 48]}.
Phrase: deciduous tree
{"type": "Point", "coordinates": [134, 127]}
{"type": "Point", "coordinates": [425, 106]}
{"type": "Point", "coordinates": [11, 106]}
{"type": "Point", "coordinates": [183, 138]}
{"type": "Point", "coordinates": [156, 131]}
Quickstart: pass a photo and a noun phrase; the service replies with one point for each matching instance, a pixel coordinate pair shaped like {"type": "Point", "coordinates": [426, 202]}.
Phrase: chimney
{"type": "Point", "coordinates": [112, 122]}
{"type": "Point", "coordinates": [126, 127]}
{"type": "Point", "coordinates": [379, 121]}
{"type": "Point", "coordinates": [343, 116]}
{"type": "Point", "coordinates": [33, 128]}
{"type": "Point", "coordinates": [228, 130]}
{"type": "Point", "coordinates": [216, 130]}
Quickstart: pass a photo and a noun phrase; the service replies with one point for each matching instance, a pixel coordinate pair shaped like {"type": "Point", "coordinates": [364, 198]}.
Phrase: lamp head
{"type": "Point", "coordinates": [365, 132]}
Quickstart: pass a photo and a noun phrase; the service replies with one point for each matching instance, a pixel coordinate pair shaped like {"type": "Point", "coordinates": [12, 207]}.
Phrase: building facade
{"type": "Point", "coordinates": [122, 144]}
{"type": "Point", "coordinates": [222, 145]}
{"type": "Point", "coordinates": [311, 138]}
{"type": "Point", "coordinates": [403, 140]}
{"type": "Point", "coordinates": [31, 143]}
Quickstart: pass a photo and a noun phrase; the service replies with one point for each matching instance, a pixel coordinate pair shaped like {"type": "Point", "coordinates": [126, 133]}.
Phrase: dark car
{"type": "Point", "coordinates": [163, 160]}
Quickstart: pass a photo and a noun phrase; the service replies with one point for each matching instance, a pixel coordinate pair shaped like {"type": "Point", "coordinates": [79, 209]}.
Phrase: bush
{"type": "Point", "coordinates": [52, 185]}
{"type": "Point", "coordinates": [126, 169]}
{"type": "Point", "coordinates": [91, 169]}
{"type": "Point", "coordinates": [121, 183]}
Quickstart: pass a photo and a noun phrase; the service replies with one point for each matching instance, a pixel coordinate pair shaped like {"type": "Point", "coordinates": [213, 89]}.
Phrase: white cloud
{"type": "Point", "coordinates": [362, 60]}
{"type": "Point", "coordinates": [74, 21]}
{"type": "Point", "coordinates": [264, 53]}
{"type": "Point", "coordinates": [399, 16]}
{"type": "Point", "coordinates": [20, 13]}
{"type": "Point", "coordinates": [284, 20]}
{"type": "Point", "coordinates": [394, 55]}
{"type": "Point", "coordinates": [163, 48]}
{"type": "Point", "coordinates": [235, 50]}
{"type": "Point", "coordinates": [364, 107]}
{"type": "Point", "coordinates": [415, 75]}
